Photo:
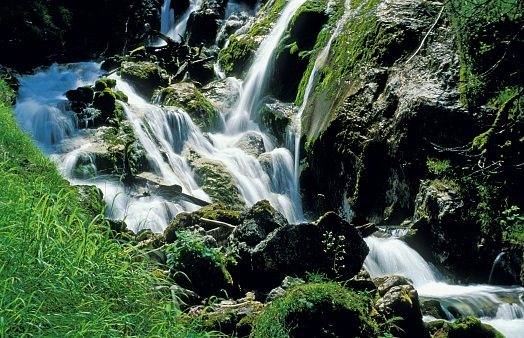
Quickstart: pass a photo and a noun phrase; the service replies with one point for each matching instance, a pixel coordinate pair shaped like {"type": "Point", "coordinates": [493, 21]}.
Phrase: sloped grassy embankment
{"type": "Point", "coordinates": [60, 272]}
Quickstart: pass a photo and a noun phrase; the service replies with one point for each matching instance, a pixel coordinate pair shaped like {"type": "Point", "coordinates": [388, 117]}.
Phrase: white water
{"type": "Point", "coordinates": [500, 306]}
{"type": "Point", "coordinates": [166, 134]}
{"type": "Point", "coordinates": [174, 24]}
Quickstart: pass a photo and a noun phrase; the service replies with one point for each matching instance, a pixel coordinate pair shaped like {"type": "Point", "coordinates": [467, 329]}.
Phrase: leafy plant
{"type": "Point", "coordinates": [198, 266]}
{"type": "Point", "coordinates": [334, 246]}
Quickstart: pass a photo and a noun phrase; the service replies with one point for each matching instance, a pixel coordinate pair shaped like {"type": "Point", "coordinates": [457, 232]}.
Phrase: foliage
{"type": "Point", "coordinates": [334, 247]}
{"type": "Point", "coordinates": [436, 166]}
{"type": "Point", "coordinates": [490, 36]}
{"type": "Point", "coordinates": [198, 266]}
{"type": "Point", "coordinates": [318, 310]}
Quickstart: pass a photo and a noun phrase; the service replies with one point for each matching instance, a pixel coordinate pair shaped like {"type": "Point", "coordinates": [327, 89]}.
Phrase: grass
{"type": "Point", "coordinates": [61, 275]}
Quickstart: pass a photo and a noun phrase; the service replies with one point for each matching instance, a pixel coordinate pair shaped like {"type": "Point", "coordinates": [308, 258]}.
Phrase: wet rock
{"type": "Point", "coordinates": [434, 309]}
{"type": "Point", "coordinates": [144, 75]}
{"type": "Point", "coordinates": [186, 96]}
{"type": "Point", "coordinates": [251, 143]}
{"type": "Point", "coordinates": [400, 299]}
{"type": "Point", "coordinates": [81, 94]}
{"type": "Point", "coordinates": [276, 116]}
{"type": "Point", "coordinates": [179, 6]}
{"type": "Point", "coordinates": [216, 181]}
{"type": "Point", "coordinates": [444, 237]}
{"type": "Point", "coordinates": [222, 94]}
{"type": "Point", "coordinates": [269, 248]}
{"type": "Point", "coordinates": [463, 327]}
{"type": "Point", "coordinates": [387, 113]}
{"type": "Point", "coordinates": [205, 22]}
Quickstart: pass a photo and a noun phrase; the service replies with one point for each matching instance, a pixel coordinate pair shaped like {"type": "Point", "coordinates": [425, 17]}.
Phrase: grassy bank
{"type": "Point", "coordinates": [60, 273]}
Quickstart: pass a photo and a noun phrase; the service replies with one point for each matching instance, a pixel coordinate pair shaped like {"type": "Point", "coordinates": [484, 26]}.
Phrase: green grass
{"type": "Point", "coordinates": [61, 275]}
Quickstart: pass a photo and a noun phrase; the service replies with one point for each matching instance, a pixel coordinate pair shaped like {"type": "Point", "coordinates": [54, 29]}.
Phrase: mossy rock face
{"type": "Point", "coordinates": [318, 310]}
{"type": "Point", "coordinates": [236, 58]}
{"type": "Point", "coordinates": [462, 327]}
{"type": "Point", "coordinates": [186, 96]}
{"type": "Point", "coordinates": [146, 76]}
{"type": "Point", "coordinates": [372, 117]}
{"type": "Point", "coordinates": [216, 181]}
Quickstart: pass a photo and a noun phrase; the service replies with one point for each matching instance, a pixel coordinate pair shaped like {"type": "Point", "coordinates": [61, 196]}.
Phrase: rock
{"type": "Point", "coordinates": [280, 291]}
{"type": "Point", "coordinates": [216, 181]}
{"type": "Point", "coordinates": [251, 143]}
{"type": "Point", "coordinates": [179, 6]}
{"type": "Point", "coordinates": [444, 238]}
{"type": "Point", "coordinates": [275, 116]}
{"type": "Point", "coordinates": [270, 249]}
{"type": "Point", "coordinates": [81, 94]}
{"type": "Point", "coordinates": [434, 309]}
{"type": "Point", "coordinates": [144, 75]}
{"type": "Point", "coordinates": [371, 130]}
{"type": "Point", "coordinates": [463, 327]}
{"type": "Point", "coordinates": [204, 23]}
{"type": "Point", "coordinates": [222, 94]}
{"type": "Point", "coordinates": [400, 299]}
{"type": "Point", "coordinates": [186, 96]}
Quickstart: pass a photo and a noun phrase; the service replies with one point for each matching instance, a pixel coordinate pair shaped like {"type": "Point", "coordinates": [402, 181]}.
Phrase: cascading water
{"type": "Point", "coordinates": [165, 134]}
{"type": "Point", "coordinates": [499, 306]}
{"type": "Point", "coordinates": [174, 24]}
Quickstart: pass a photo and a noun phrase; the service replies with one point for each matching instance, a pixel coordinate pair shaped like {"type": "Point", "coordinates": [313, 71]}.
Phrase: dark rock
{"type": "Point", "coordinates": [270, 249]}
{"type": "Point", "coordinates": [204, 23]}
{"type": "Point", "coordinates": [444, 238]}
{"type": "Point", "coordinates": [179, 6]}
{"type": "Point", "coordinates": [434, 309]}
{"type": "Point", "coordinates": [81, 94]}
{"type": "Point", "coordinates": [463, 327]}
{"type": "Point", "coordinates": [275, 116]}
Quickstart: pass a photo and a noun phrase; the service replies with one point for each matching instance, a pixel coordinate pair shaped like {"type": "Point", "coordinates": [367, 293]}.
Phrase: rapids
{"type": "Point", "coordinates": [499, 306]}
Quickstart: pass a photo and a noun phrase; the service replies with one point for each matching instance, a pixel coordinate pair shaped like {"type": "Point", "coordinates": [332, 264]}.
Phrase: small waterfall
{"type": "Point", "coordinates": [241, 120]}
{"type": "Point", "coordinates": [499, 306]}
{"type": "Point", "coordinates": [174, 24]}
{"type": "Point", "coordinates": [495, 262]}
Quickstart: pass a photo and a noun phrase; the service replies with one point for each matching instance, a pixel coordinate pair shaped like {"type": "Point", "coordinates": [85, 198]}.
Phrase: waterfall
{"type": "Point", "coordinates": [499, 306]}
{"type": "Point", "coordinates": [174, 24]}
{"type": "Point", "coordinates": [165, 134]}
{"type": "Point", "coordinates": [495, 262]}
{"type": "Point", "coordinates": [240, 120]}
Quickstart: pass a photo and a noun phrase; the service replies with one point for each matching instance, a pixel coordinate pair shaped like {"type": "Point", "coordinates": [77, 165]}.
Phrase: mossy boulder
{"type": "Point", "coordinates": [102, 84]}
{"type": "Point", "coordinates": [216, 181]}
{"type": "Point", "coordinates": [270, 249]}
{"type": "Point", "coordinates": [146, 76]}
{"type": "Point", "coordinates": [462, 327]}
{"type": "Point", "coordinates": [186, 96]}
{"type": "Point", "coordinates": [204, 23]}
{"type": "Point", "coordinates": [319, 310]}
{"type": "Point", "coordinates": [236, 58]}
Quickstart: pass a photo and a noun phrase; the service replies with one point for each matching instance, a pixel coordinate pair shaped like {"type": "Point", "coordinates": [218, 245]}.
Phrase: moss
{"type": "Point", "coordinates": [238, 55]}
{"type": "Point", "coordinates": [317, 310]}
{"type": "Point", "coordinates": [462, 327]}
{"type": "Point", "coordinates": [189, 98]}
{"type": "Point", "coordinates": [102, 84]}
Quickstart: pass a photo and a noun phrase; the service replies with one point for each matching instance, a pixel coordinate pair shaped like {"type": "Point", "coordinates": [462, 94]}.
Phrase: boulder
{"type": "Point", "coordinates": [275, 116]}
{"type": "Point", "coordinates": [251, 143]}
{"type": "Point", "coordinates": [144, 75]}
{"type": "Point", "coordinates": [204, 23]}
{"type": "Point", "coordinates": [270, 249]}
{"type": "Point", "coordinates": [186, 96]}
{"type": "Point", "coordinates": [215, 180]}
{"type": "Point", "coordinates": [222, 94]}
{"type": "Point", "coordinates": [400, 299]}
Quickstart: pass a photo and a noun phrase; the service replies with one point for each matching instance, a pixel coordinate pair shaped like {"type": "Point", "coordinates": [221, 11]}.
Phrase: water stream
{"type": "Point", "coordinates": [166, 134]}
{"type": "Point", "coordinates": [500, 306]}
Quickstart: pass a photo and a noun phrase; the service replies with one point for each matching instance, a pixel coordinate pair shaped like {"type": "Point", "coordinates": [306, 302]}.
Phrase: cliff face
{"type": "Point", "coordinates": [388, 92]}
